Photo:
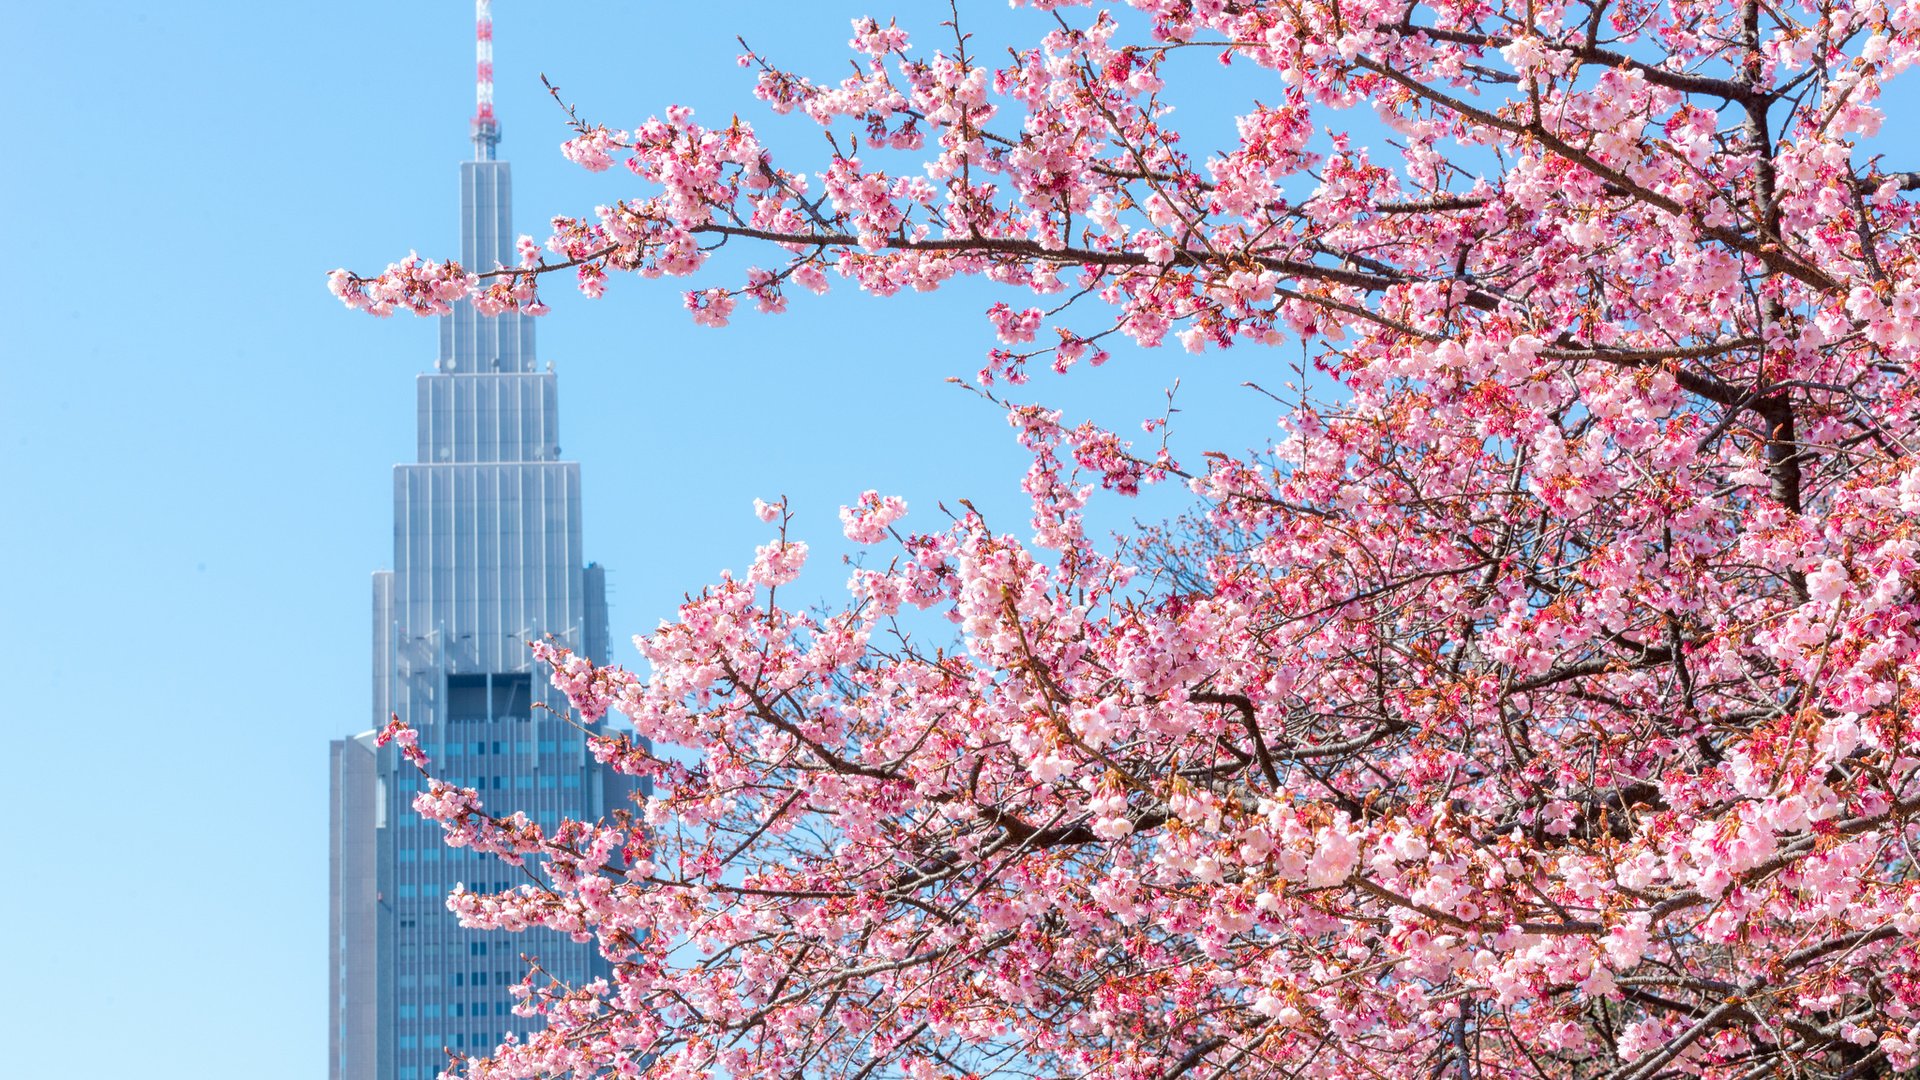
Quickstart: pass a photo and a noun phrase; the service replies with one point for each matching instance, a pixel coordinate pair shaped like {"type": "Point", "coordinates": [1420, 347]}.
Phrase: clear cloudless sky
{"type": "Point", "coordinates": [196, 443]}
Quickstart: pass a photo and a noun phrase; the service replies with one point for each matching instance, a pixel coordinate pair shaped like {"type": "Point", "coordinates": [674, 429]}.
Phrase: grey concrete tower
{"type": "Point", "coordinates": [486, 558]}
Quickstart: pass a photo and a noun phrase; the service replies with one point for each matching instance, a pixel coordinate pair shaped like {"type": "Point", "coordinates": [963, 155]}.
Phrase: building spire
{"type": "Point", "coordinates": [470, 343]}
{"type": "Point", "coordinates": [486, 129]}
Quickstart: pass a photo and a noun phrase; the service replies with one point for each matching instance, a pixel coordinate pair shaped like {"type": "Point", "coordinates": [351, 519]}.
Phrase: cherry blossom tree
{"type": "Point", "coordinates": [1541, 704]}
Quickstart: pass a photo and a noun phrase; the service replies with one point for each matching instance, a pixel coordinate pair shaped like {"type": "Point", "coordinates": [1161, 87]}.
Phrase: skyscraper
{"type": "Point", "coordinates": [486, 558]}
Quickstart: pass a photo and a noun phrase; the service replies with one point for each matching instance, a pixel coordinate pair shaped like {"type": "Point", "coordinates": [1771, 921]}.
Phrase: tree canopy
{"type": "Point", "coordinates": [1539, 705]}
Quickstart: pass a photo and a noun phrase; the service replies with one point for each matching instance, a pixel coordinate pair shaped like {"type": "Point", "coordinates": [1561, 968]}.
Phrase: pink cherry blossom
{"type": "Point", "coordinates": [1538, 703]}
{"type": "Point", "coordinates": [867, 521]}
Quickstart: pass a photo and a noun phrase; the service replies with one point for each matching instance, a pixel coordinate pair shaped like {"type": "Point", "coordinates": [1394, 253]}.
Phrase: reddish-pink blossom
{"type": "Point", "coordinates": [1540, 703]}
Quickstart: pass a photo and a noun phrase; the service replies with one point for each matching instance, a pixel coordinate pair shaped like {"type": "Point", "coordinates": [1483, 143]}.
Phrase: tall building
{"type": "Point", "coordinates": [486, 558]}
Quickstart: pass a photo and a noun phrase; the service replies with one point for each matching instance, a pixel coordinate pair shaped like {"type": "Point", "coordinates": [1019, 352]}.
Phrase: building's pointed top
{"type": "Point", "coordinates": [486, 129]}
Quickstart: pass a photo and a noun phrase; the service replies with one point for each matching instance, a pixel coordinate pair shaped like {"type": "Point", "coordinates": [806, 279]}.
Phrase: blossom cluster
{"type": "Point", "coordinates": [1539, 703]}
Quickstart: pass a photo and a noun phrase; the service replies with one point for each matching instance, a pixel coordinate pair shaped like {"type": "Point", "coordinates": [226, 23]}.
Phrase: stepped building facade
{"type": "Point", "coordinates": [487, 556]}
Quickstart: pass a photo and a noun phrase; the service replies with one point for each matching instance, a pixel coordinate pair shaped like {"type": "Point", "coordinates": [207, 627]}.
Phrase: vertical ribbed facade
{"type": "Point", "coordinates": [353, 913]}
{"type": "Point", "coordinates": [471, 343]}
{"type": "Point", "coordinates": [486, 558]}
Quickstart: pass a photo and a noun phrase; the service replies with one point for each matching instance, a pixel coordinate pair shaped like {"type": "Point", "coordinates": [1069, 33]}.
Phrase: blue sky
{"type": "Point", "coordinates": [197, 444]}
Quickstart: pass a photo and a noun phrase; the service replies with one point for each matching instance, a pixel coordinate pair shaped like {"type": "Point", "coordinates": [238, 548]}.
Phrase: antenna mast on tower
{"type": "Point", "coordinates": [486, 130]}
